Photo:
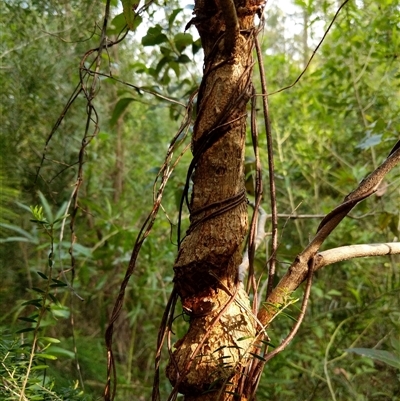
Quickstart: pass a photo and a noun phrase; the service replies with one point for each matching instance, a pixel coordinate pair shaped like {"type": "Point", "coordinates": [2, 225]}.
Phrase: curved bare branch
{"type": "Point", "coordinates": [342, 253]}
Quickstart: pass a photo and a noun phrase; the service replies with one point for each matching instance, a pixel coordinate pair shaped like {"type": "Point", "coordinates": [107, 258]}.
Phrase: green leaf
{"type": "Point", "coordinates": [173, 15]}
{"type": "Point", "coordinates": [119, 108]}
{"type": "Point", "coordinates": [162, 63]}
{"type": "Point", "coordinates": [118, 22]}
{"type": "Point", "coordinates": [39, 290]}
{"type": "Point", "coordinates": [52, 297]}
{"type": "Point", "coordinates": [39, 367]}
{"type": "Point", "coordinates": [154, 36]}
{"type": "Point", "coordinates": [182, 40]}
{"type": "Point", "coordinates": [47, 356]}
{"type": "Point", "coordinates": [183, 58]}
{"type": "Point", "coordinates": [165, 51]}
{"type": "Point", "coordinates": [268, 343]}
{"type": "Point", "coordinates": [28, 237]}
{"type": "Point", "coordinates": [47, 209]}
{"type": "Point", "coordinates": [14, 239]}
{"type": "Point", "coordinates": [379, 355]}
{"type": "Point", "coordinates": [196, 46]}
{"type": "Point", "coordinates": [258, 357]}
{"type": "Point", "coordinates": [27, 319]}
{"type": "Point", "coordinates": [129, 7]}
{"type": "Point", "coordinates": [54, 350]}
{"type": "Point", "coordinates": [245, 338]}
{"type": "Point", "coordinates": [36, 302]}
{"type": "Point", "coordinates": [26, 330]}
{"type": "Point", "coordinates": [60, 311]}
{"type": "Point", "coordinates": [50, 340]}
{"type": "Point", "coordinates": [61, 218]}
{"type": "Point", "coordinates": [59, 282]}
{"type": "Point", "coordinates": [175, 66]}
{"type": "Point", "coordinates": [289, 316]}
{"type": "Point", "coordinates": [42, 275]}
{"type": "Point", "coordinates": [58, 285]}
{"type": "Point", "coordinates": [83, 250]}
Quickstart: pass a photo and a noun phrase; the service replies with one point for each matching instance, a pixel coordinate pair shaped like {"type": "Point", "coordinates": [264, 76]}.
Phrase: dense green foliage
{"type": "Point", "coordinates": [332, 128]}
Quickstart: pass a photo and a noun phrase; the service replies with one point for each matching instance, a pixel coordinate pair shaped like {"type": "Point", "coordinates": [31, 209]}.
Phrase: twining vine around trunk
{"type": "Point", "coordinates": [222, 328]}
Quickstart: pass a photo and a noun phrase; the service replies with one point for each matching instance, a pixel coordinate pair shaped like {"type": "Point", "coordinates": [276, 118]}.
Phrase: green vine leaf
{"type": "Point", "coordinates": [129, 7]}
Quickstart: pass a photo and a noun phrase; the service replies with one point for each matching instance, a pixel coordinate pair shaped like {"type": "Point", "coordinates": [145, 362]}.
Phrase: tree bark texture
{"type": "Point", "coordinates": [207, 361]}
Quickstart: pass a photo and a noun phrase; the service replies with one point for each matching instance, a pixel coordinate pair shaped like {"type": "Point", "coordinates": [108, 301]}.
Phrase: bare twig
{"type": "Point", "coordinates": [342, 253]}
{"type": "Point", "coordinates": [314, 52]}
{"type": "Point", "coordinates": [271, 169]}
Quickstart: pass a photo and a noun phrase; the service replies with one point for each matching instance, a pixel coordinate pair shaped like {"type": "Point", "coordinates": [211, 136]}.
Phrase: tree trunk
{"type": "Point", "coordinates": [207, 361]}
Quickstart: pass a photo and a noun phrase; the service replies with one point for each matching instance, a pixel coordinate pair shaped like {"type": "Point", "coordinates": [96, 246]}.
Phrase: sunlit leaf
{"type": "Point", "coordinates": [129, 7]}
{"type": "Point", "coordinates": [154, 36]}
{"type": "Point", "coordinates": [50, 340]}
{"type": "Point", "coordinates": [182, 40]}
{"type": "Point", "coordinates": [47, 356]}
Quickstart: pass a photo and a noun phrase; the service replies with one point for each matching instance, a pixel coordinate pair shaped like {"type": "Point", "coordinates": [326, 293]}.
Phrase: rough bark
{"type": "Point", "coordinates": [222, 328]}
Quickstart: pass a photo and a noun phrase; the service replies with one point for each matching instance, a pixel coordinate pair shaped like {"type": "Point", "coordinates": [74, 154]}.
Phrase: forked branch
{"type": "Point", "coordinates": [297, 272]}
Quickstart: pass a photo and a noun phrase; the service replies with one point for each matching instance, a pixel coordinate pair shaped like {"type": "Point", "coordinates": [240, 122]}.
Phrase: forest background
{"type": "Point", "coordinates": [334, 126]}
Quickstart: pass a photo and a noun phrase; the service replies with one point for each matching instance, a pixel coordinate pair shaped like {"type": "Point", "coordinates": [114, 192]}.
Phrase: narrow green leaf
{"type": "Point", "coordinates": [50, 340]}
{"type": "Point", "coordinates": [14, 239]}
{"type": "Point", "coordinates": [47, 356]}
{"type": "Point", "coordinates": [27, 319]}
{"type": "Point", "coordinates": [58, 285]}
{"type": "Point", "coordinates": [289, 316]}
{"type": "Point", "coordinates": [36, 302]}
{"type": "Point", "coordinates": [46, 207]}
{"type": "Point", "coordinates": [54, 350]}
{"type": "Point", "coordinates": [268, 343]}
{"type": "Point", "coordinates": [258, 357]}
{"type": "Point", "coordinates": [39, 290]}
{"type": "Point", "coordinates": [39, 367]}
{"type": "Point", "coordinates": [26, 330]}
{"type": "Point", "coordinates": [52, 297]}
{"type": "Point", "coordinates": [379, 355]}
{"type": "Point", "coordinates": [245, 338]}
{"type": "Point", "coordinates": [60, 218]}
{"type": "Point", "coordinates": [44, 222]}
{"type": "Point", "coordinates": [36, 398]}
{"type": "Point", "coordinates": [20, 231]}
{"type": "Point", "coordinates": [58, 281]}
{"type": "Point", "coordinates": [173, 15]}
{"type": "Point", "coordinates": [42, 275]}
